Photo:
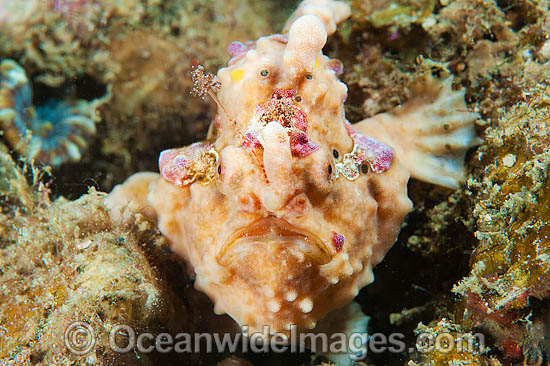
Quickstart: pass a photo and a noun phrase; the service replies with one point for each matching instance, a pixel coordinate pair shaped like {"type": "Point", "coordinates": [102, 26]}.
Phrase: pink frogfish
{"type": "Point", "coordinates": [286, 207]}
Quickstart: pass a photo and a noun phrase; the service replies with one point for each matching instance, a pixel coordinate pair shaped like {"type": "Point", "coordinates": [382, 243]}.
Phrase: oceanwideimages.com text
{"type": "Point", "coordinates": [80, 339]}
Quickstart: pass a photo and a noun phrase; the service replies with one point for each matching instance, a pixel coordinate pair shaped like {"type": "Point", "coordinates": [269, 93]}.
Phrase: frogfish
{"type": "Point", "coordinates": [284, 210]}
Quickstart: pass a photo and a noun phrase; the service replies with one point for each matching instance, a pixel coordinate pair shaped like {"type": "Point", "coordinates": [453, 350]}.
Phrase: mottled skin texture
{"type": "Point", "coordinates": [278, 238]}
{"type": "Point", "coordinates": [201, 218]}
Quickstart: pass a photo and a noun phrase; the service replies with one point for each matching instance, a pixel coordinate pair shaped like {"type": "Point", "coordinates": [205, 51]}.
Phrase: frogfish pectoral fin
{"type": "Point", "coordinates": [430, 134]}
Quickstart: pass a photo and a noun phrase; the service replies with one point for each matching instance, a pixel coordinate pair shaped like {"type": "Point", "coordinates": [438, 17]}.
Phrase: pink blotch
{"type": "Point", "coordinates": [238, 49]}
{"type": "Point", "coordinates": [349, 129]}
{"type": "Point", "coordinates": [300, 119]}
{"type": "Point", "coordinates": [377, 154]}
{"type": "Point", "coordinates": [165, 156]}
{"type": "Point", "coordinates": [173, 167]}
{"type": "Point", "coordinates": [217, 122]}
{"type": "Point", "coordinates": [300, 145]}
{"type": "Point", "coordinates": [251, 141]}
{"type": "Point", "coordinates": [338, 241]}
{"type": "Point", "coordinates": [235, 48]}
{"type": "Point", "coordinates": [175, 164]}
{"type": "Point", "coordinates": [296, 123]}
{"type": "Point", "coordinates": [336, 66]}
{"type": "Point", "coordinates": [284, 93]}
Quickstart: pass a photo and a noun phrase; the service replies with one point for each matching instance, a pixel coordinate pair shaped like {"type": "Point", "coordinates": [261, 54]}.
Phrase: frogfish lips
{"type": "Point", "coordinates": [274, 255]}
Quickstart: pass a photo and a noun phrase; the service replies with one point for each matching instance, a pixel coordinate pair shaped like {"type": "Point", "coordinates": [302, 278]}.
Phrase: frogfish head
{"type": "Point", "coordinates": [283, 217]}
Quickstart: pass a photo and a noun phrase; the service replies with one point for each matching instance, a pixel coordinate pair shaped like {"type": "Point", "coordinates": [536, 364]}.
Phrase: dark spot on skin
{"type": "Point", "coordinates": [218, 199]}
{"type": "Point", "coordinates": [436, 71]}
{"type": "Point", "coordinates": [448, 147]}
{"type": "Point", "coordinates": [219, 169]}
{"type": "Point", "coordinates": [298, 98]}
{"type": "Point", "coordinates": [309, 77]}
{"type": "Point", "coordinates": [175, 31]}
{"type": "Point", "coordinates": [364, 168]}
{"type": "Point", "coordinates": [335, 153]}
{"type": "Point", "coordinates": [330, 169]}
{"type": "Point", "coordinates": [446, 126]}
{"type": "Point", "coordinates": [264, 72]}
{"type": "Point", "coordinates": [374, 189]}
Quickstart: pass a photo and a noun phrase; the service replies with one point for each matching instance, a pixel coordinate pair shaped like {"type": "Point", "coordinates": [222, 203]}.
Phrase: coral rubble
{"type": "Point", "coordinates": [511, 263]}
{"type": "Point", "coordinates": [64, 262]}
{"type": "Point", "coordinates": [496, 50]}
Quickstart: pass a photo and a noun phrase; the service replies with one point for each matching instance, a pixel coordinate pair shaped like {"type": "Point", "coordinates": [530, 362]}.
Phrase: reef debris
{"type": "Point", "coordinates": [446, 343]}
{"type": "Point", "coordinates": [510, 266]}
{"type": "Point", "coordinates": [65, 267]}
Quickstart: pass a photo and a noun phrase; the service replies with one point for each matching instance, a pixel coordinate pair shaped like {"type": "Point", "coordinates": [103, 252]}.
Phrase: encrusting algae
{"type": "Point", "coordinates": [511, 264]}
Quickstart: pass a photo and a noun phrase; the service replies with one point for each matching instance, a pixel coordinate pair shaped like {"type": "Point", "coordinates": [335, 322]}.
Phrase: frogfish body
{"type": "Point", "coordinates": [285, 209]}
